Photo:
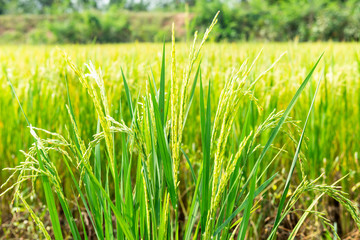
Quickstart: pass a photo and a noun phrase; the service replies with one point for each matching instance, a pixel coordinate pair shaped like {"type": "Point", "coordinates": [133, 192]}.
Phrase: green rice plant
{"type": "Point", "coordinates": [135, 177]}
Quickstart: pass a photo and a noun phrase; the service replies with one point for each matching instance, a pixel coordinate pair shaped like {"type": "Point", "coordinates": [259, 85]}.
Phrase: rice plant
{"type": "Point", "coordinates": [133, 178]}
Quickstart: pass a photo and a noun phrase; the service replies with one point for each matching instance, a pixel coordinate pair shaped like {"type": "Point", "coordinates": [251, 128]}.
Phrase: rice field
{"type": "Point", "coordinates": [153, 141]}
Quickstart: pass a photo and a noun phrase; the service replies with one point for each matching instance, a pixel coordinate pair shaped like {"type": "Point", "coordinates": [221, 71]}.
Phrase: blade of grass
{"type": "Point", "coordinates": [192, 94]}
{"type": "Point", "coordinates": [45, 181]}
{"type": "Point", "coordinates": [189, 163]}
{"type": "Point", "coordinates": [205, 118]}
{"type": "Point", "coordinates": [128, 95]}
{"type": "Point", "coordinates": [162, 87]}
{"type": "Point", "coordinates": [164, 150]}
{"type": "Point", "coordinates": [244, 204]}
{"type": "Point", "coordinates": [50, 200]}
{"type": "Point", "coordinates": [193, 209]}
{"type": "Point", "coordinates": [293, 164]}
{"type": "Point", "coordinates": [252, 176]}
{"type": "Point", "coordinates": [119, 217]}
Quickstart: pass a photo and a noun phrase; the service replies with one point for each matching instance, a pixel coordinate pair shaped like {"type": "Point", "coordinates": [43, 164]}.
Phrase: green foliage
{"type": "Point", "coordinates": [283, 21]}
{"type": "Point", "coordinates": [110, 26]}
{"type": "Point", "coordinates": [89, 27]}
{"type": "Point", "coordinates": [253, 20]}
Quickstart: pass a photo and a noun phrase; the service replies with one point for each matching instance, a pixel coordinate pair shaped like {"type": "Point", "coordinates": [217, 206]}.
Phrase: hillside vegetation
{"type": "Point", "coordinates": [239, 21]}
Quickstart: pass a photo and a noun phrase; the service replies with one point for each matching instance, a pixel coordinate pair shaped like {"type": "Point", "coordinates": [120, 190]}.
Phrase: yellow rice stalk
{"type": "Point", "coordinates": [105, 124]}
{"type": "Point", "coordinates": [178, 112]}
{"type": "Point", "coordinates": [174, 104]}
{"type": "Point", "coordinates": [146, 202]}
{"type": "Point", "coordinates": [229, 170]}
{"type": "Point", "coordinates": [36, 219]}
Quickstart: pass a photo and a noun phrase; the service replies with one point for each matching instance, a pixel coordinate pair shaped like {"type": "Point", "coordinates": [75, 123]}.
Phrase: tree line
{"type": "Point", "coordinates": [240, 20]}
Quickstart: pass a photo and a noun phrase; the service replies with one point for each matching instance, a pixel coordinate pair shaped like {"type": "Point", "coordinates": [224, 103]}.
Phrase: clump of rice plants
{"type": "Point", "coordinates": [128, 176]}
